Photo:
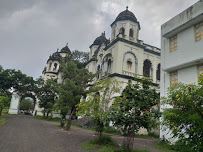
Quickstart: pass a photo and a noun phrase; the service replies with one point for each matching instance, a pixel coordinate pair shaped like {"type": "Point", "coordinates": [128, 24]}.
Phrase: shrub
{"type": "Point", "coordinates": [105, 140]}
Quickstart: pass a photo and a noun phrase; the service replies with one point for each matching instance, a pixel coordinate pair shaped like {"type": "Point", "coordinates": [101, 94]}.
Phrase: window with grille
{"type": "Point", "coordinates": [173, 78]}
{"type": "Point", "coordinates": [173, 43]}
{"type": "Point", "coordinates": [129, 64]}
{"type": "Point", "coordinates": [199, 32]}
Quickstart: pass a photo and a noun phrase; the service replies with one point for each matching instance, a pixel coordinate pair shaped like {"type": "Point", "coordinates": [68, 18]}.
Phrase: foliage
{"type": "Point", "coordinates": [178, 147]}
{"type": "Point", "coordinates": [96, 143]}
{"type": "Point", "coordinates": [47, 95]}
{"type": "Point", "coordinates": [106, 149]}
{"type": "Point", "coordinates": [2, 121]}
{"type": "Point", "coordinates": [80, 58]}
{"type": "Point", "coordinates": [135, 109]}
{"type": "Point", "coordinates": [105, 140]}
{"type": "Point", "coordinates": [89, 146]}
{"type": "Point", "coordinates": [74, 86]}
{"type": "Point", "coordinates": [26, 104]}
{"type": "Point", "coordinates": [97, 102]}
{"type": "Point", "coordinates": [185, 119]}
{"type": "Point", "coordinates": [111, 130]}
{"type": "Point", "coordinates": [4, 102]}
{"type": "Point", "coordinates": [48, 118]}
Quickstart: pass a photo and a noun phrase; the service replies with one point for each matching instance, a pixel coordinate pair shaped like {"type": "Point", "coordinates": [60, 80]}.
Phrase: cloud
{"type": "Point", "coordinates": [32, 30]}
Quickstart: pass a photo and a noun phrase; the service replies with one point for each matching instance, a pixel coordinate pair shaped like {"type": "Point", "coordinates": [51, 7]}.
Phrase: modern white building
{"type": "Point", "coordinates": [124, 55]}
{"type": "Point", "coordinates": [181, 51]}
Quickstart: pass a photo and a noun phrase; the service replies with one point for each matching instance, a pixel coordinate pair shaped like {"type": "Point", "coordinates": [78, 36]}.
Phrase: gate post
{"type": "Point", "coordinates": [14, 103]}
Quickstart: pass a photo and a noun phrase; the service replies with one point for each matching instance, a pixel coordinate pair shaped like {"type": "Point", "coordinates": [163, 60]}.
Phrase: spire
{"type": "Point", "coordinates": [67, 44]}
{"type": "Point", "coordinates": [126, 7]}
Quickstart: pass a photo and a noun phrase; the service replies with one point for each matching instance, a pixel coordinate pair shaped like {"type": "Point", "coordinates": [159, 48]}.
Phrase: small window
{"type": "Point", "coordinates": [109, 66]}
{"type": "Point", "coordinates": [173, 43]}
{"type": "Point", "coordinates": [129, 64]}
{"type": "Point", "coordinates": [113, 34]}
{"type": "Point", "coordinates": [198, 32]}
{"type": "Point", "coordinates": [173, 78]}
{"type": "Point", "coordinates": [199, 70]}
{"type": "Point", "coordinates": [122, 31]}
{"type": "Point", "coordinates": [158, 72]}
{"type": "Point", "coordinates": [147, 68]}
{"type": "Point", "coordinates": [131, 33]}
{"type": "Point", "coordinates": [55, 66]}
{"type": "Point", "coordinates": [50, 65]}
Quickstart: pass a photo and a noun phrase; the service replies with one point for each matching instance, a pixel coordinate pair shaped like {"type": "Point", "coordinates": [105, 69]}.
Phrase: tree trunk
{"type": "Point", "coordinates": [68, 125]}
{"type": "Point", "coordinates": [1, 111]}
{"type": "Point", "coordinates": [47, 114]}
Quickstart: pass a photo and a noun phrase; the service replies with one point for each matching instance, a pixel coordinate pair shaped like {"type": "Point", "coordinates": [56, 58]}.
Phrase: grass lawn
{"type": "Point", "coordinates": [173, 148]}
{"type": "Point", "coordinates": [49, 119]}
{"type": "Point", "coordinates": [5, 112]}
{"type": "Point", "coordinates": [2, 121]}
{"type": "Point", "coordinates": [107, 144]}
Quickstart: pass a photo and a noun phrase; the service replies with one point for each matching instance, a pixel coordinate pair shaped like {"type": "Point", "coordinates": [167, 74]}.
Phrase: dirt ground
{"type": "Point", "coordinates": [27, 134]}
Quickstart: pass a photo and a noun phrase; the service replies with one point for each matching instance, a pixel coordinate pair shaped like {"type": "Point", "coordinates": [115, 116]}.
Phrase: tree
{"type": "Point", "coordinates": [26, 104]}
{"type": "Point", "coordinates": [96, 105]}
{"type": "Point", "coordinates": [75, 82]}
{"type": "Point", "coordinates": [20, 82]}
{"type": "Point", "coordinates": [135, 109]}
{"type": "Point", "coordinates": [47, 95]}
{"type": "Point", "coordinates": [80, 58]}
{"type": "Point", "coordinates": [4, 102]}
{"type": "Point", "coordinates": [185, 118]}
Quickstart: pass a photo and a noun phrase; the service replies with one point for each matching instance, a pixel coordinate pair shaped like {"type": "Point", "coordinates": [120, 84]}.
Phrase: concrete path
{"type": "Point", "coordinates": [27, 134]}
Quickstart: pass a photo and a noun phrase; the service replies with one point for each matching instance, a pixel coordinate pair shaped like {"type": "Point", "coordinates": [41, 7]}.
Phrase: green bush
{"type": "Point", "coordinates": [177, 147]}
{"type": "Point", "coordinates": [106, 149]}
{"type": "Point", "coordinates": [104, 140]}
{"type": "Point", "coordinates": [111, 130]}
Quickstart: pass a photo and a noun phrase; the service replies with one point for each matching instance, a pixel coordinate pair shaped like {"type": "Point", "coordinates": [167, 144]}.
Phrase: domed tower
{"type": "Point", "coordinates": [98, 42]}
{"type": "Point", "coordinates": [65, 51]}
{"type": "Point", "coordinates": [126, 25]}
{"type": "Point", "coordinates": [53, 64]}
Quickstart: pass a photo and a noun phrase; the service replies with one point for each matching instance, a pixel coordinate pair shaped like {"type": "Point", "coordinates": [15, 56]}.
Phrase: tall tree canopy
{"type": "Point", "coordinates": [74, 86]}
{"type": "Point", "coordinates": [47, 95]}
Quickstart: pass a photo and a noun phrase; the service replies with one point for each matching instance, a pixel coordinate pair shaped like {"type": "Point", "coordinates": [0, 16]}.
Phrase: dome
{"type": "Point", "coordinates": [65, 49]}
{"type": "Point", "coordinates": [100, 40]}
{"type": "Point", "coordinates": [55, 57]}
{"type": "Point", "coordinates": [126, 15]}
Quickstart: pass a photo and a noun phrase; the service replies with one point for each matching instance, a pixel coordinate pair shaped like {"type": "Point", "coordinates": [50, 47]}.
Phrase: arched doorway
{"type": "Point", "coordinates": [17, 99]}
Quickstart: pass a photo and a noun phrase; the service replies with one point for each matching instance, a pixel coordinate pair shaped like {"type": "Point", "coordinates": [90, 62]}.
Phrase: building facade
{"type": "Point", "coordinates": [182, 51]}
{"type": "Point", "coordinates": [124, 55]}
{"type": "Point", "coordinates": [52, 68]}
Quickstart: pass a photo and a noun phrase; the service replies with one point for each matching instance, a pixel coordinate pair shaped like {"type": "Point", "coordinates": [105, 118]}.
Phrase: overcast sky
{"type": "Point", "coordinates": [31, 30]}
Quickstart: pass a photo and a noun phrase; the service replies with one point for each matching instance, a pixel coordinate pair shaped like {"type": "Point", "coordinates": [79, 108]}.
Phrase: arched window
{"type": "Point", "coordinates": [55, 66]}
{"type": "Point", "coordinates": [50, 65]}
{"type": "Point", "coordinates": [158, 72]}
{"type": "Point", "coordinates": [113, 34]}
{"type": "Point", "coordinates": [129, 64]}
{"type": "Point", "coordinates": [98, 69]}
{"type": "Point", "coordinates": [109, 66]}
{"type": "Point", "coordinates": [147, 68]}
{"type": "Point", "coordinates": [122, 31]}
{"type": "Point", "coordinates": [131, 32]}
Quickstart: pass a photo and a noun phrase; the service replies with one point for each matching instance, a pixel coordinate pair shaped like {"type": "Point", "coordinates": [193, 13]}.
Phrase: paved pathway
{"type": "Point", "coordinates": [27, 134]}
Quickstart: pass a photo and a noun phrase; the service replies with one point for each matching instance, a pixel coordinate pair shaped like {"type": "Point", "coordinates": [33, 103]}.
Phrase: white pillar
{"type": "Point", "coordinates": [15, 100]}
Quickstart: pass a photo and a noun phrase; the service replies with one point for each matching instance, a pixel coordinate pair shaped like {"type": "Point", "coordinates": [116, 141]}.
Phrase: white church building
{"type": "Point", "coordinates": [182, 51]}
{"type": "Point", "coordinates": [124, 55]}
